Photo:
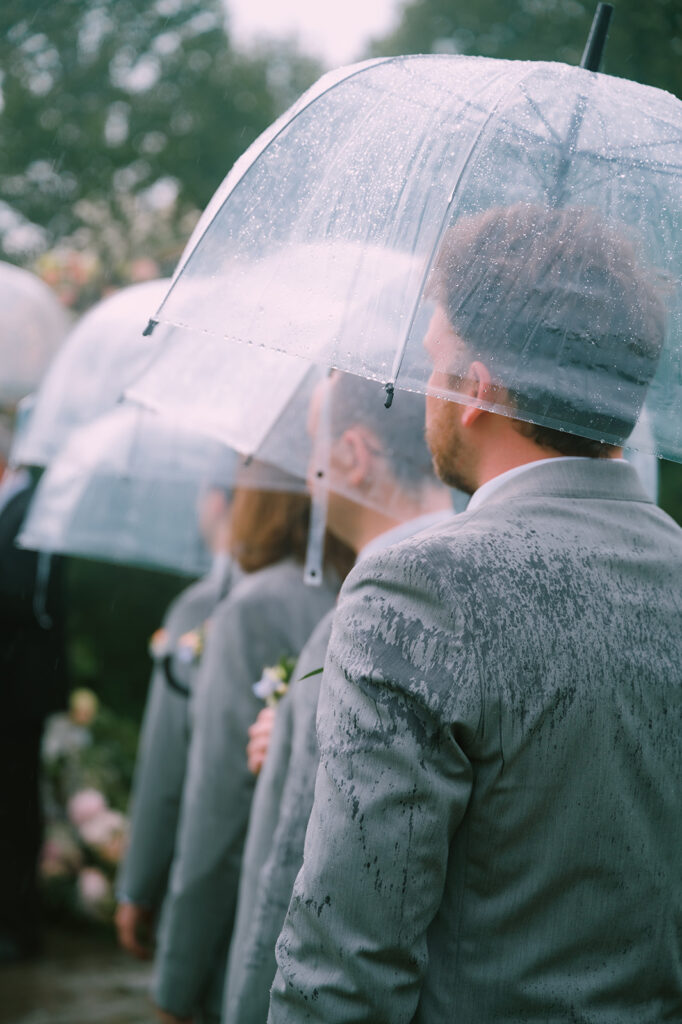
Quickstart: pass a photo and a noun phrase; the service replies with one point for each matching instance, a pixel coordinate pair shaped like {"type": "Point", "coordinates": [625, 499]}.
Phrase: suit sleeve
{"type": "Point", "coordinates": [391, 790]}
{"type": "Point", "coordinates": [159, 776]}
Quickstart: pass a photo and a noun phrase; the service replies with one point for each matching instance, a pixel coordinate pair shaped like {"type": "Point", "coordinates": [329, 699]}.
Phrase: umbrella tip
{"type": "Point", "coordinates": [389, 389]}
{"type": "Point", "coordinates": [596, 41]}
{"type": "Point", "coordinates": [149, 329]}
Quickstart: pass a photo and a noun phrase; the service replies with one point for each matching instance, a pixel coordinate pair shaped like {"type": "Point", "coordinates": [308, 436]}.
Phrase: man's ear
{"type": "Point", "coordinates": [479, 387]}
{"type": "Point", "coordinates": [354, 457]}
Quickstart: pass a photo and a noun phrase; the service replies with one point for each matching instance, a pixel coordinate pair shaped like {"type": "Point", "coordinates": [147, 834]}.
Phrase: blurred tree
{"type": "Point", "coordinates": [645, 39]}
{"type": "Point", "coordinates": [114, 110]}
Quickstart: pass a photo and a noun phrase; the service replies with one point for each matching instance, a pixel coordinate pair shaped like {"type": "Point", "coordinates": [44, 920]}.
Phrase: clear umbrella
{"type": "Point", "coordinates": [562, 182]}
{"type": "Point", "coordinates": [33, 326]}
{"type": "Point", "coordinates": [103, 352]}
{"type": "Point", "coordinates": [125, 488]}
{"type": "Point", "coordinates": [279, 409]}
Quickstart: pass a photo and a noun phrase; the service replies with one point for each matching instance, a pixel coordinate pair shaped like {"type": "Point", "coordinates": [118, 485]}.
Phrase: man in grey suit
{"type": "Point", "coordinates": [497, 827]}
{"type": "Point", "coordinates": [270, 613]}
{"type": "Point", "coordinates": [395, 468]}
{"type": "Point", "coordinates": [164, 740]}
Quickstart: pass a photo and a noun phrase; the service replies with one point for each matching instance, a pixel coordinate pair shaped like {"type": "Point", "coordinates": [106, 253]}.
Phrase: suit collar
{"type": "Point", "coordinates": [607, 479]}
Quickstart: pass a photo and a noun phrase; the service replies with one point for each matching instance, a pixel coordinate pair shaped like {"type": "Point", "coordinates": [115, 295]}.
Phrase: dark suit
{"type": "Point", "coordinates": [33, 684]}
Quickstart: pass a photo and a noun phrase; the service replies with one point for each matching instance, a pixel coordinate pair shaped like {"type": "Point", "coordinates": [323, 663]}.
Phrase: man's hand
{"type": "Point", "coordinates": [169, 1018]}
{"type": "Point", "coordinates": [134, 926]}
{"type": "Point", "coordinates": [259, 740]}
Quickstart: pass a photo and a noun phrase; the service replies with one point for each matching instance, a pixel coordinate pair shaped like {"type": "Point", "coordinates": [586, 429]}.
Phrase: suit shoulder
{"type": "Point", "coordinates": [264, 599]}
{"type": "Point", "coordinates": [271, 583]}
{"type": "Point", "coordinates": [427, 558]}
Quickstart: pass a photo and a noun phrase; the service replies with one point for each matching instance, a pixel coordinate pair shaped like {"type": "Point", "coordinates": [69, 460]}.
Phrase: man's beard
{"type": "Point", "coordinates": [451, 457]}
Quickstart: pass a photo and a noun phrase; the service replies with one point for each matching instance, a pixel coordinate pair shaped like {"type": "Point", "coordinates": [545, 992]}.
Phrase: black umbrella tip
{"type": "Point", "coordinates": [596, 41]}
{"type": "Point", "coordinates": [389, 389]}
{"type": "Point", "coordinates": [149, 329]}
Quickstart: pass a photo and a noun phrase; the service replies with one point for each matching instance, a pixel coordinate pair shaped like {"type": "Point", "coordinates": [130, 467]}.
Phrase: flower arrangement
{"type": "Point", "coordinates": [88, 759]}
{"type": "Point", "coordinates": [274, 682]}
{"type": "Point", "coordinates": [188, 648]}
{"type": "Point", "coordinates": [159, 644]}
{"type": "Point", "coordinates": [191, 645]}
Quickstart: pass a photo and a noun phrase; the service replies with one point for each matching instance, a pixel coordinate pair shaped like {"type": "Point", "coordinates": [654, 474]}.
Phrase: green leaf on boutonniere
{"type": "Point", "coordinates": [315, 672]}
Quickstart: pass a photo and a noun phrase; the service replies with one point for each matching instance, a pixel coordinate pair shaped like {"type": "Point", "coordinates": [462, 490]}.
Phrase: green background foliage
{"type": "Point", "coordinates": [104, 100]}
{"type": "Point", "coordinates": [644, 44]}
{"type": "Point", "coordinates": [112, 612]}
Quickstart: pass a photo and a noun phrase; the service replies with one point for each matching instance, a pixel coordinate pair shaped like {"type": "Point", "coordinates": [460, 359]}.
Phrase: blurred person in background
{"type": "Point", "coordinates": [164, 741]}
{"type": "Point", "coordinates": [33, 685]}
{"type": "Point", "coordinates": [268, 615]}
{"type": "Point", "coordinates": [373, 451]}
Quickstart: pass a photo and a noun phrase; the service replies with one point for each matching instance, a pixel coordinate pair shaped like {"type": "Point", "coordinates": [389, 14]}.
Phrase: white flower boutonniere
{"type": "Point", "coordinates": [159, 644]}
{"type": "Point", "coordinates": [191, 645]}
{"type": "Point", "coordinates": [274, 682]}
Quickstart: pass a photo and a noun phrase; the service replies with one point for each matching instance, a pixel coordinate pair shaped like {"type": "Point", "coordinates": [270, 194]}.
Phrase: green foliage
{"type": "Point", "coordinates": [112, 612]}
{"type": "Point", "coordinates": [109, 762]}
{"type": "Point", "coordinates": [670, 494]}
{"type": "Point", "coordinates": [104, 100]}
{"type": "Point", "coordinates": [644, 44]}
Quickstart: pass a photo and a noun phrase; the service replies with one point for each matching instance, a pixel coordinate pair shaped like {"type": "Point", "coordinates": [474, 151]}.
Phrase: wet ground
{"type": "Point", "coordinates": [83, 978]}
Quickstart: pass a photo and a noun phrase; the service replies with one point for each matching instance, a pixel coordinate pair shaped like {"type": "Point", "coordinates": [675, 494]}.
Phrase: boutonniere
{"type": "Point", "coordinates": [159, 644]}
{"type": "Point", "coordinates": [274, 682]}
{"type": "Point", "coordinates": [190, 646]}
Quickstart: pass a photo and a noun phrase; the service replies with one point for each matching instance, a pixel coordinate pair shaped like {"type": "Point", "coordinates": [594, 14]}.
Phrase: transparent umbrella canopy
{"type": "Point", "coordinates": [126, 488]}
{"type": "Point", "coordinates": [102, 353]}
{"type": "Point", "coordinates": [538, 203]}
{"type": "Point", "coordinates": [33, 326]}
{"type": "Point", "coordinates": [240, 393]}
{"type": "Point", "coordinates": [282, 410]}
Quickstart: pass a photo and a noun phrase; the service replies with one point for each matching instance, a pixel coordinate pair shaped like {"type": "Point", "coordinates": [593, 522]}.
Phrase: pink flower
{"type": "Point", "coordinates": [60, 856]}
{"type": "Point", "coordinates": [106, 832]}
{"type": "Point", "coordinates": [85, 804]}
{"type": "Point", "coordinates": [94, 890]}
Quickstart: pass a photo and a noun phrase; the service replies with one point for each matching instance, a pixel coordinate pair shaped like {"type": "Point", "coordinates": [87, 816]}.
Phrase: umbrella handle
{"type": "Point", "coordinates": [596, 41]}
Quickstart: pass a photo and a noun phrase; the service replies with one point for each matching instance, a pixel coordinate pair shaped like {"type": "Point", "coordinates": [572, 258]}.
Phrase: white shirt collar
{"type": "Point", "coordinates": [402, 531]}
{"type": "Point", "coordinates": [487, 489]}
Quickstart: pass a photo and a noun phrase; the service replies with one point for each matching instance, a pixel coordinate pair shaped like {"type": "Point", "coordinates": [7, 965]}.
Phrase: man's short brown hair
{"type": "Point", "coordinates": [559, 308]}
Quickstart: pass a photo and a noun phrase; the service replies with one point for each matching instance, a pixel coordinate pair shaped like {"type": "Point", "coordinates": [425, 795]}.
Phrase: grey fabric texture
{"type": "Point", "coordinates": [162, 753]}
{"type": "Point", "coordinates": [268, 614]}
{"type": "Point", "coordinates": [274, 846]}
{"type": "Point", "coordinates": [496, 833]}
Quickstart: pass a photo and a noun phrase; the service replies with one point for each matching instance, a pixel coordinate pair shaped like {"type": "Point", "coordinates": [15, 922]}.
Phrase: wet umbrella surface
{"type": "Point", "coordinates": [33, 326]}
{"type": "Point", "coordinates": [394, 157]}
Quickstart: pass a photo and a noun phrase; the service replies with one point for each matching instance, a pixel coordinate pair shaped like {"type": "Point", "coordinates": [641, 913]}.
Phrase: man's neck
{"type": "Point", "coordinates": [370, 523]}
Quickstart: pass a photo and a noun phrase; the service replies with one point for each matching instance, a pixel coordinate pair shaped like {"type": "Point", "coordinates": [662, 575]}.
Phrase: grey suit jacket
{"type": "Point", "coordinates": [162, 752]}
{"type": "Point", "coordinates": [497, 828]}
{"type": "Point", "coordinates": [274, 845]}
{"type": "Point", "coordinates": [267, 614]}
